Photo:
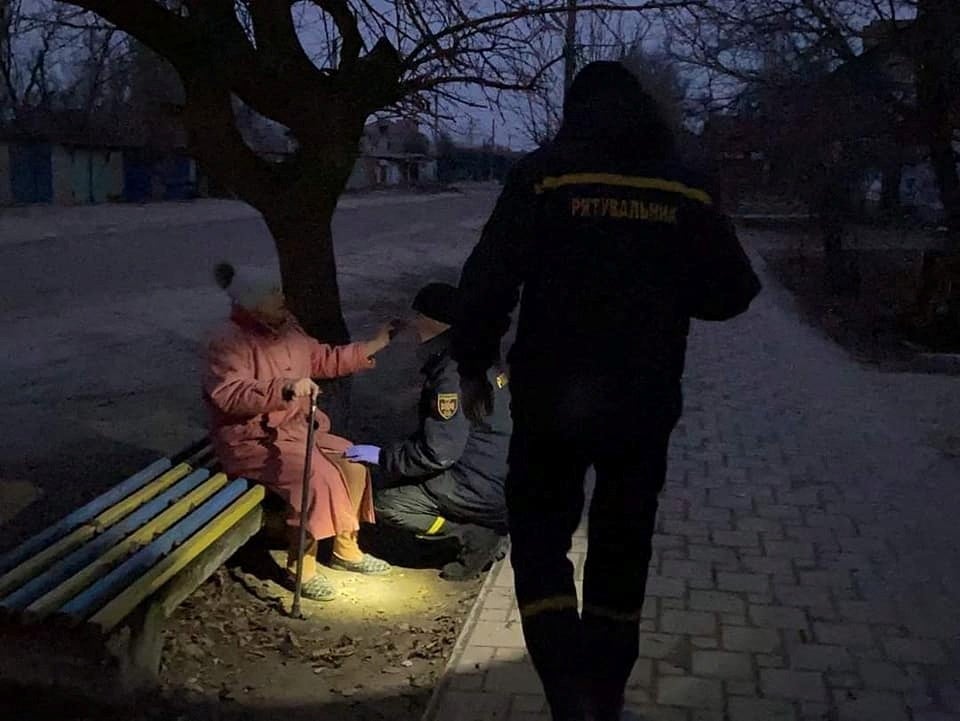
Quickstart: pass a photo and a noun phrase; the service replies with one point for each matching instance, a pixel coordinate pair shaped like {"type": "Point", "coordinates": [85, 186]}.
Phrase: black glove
{"type": "Point", "coordinates": [477, 397]}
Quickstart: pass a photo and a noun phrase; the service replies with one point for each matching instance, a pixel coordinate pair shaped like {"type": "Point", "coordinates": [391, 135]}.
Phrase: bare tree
{"type": "Point", "coordinates": [934, 48]}
{"type": "Point", "coordinates": [361, 56]}
{"type": "Point", "coordinates": [660, 75]}
{"type": "Point", "coordinates": [38, 39]}
{"type": "Point", "coordinates": [25, 49]}
{"type": "Point", "coordinates": [777, 44]}
{"type": "Point", "coordinates": [581, 37]}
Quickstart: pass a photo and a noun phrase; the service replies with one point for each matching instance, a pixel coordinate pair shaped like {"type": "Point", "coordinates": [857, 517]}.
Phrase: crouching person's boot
{"type": "Point", "coordinates": [479, 549]}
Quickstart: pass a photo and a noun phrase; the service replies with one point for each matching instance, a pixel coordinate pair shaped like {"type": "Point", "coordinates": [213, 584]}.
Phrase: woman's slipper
{"type": "Point", "coordinates": [368, 565]}
{"type": "Point", "coordinates": [318, 588]}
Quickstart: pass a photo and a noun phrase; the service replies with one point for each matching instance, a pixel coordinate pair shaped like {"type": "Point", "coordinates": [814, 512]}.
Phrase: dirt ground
{"type": "Point", "coordinates": [232, 652]}
{"type": "Point", "coordinates": [373, 653]}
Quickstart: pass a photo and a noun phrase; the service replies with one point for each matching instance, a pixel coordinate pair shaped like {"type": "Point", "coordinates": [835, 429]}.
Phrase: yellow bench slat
{"type": "Point", "coordinates": [143, 536]}
{"type": "Point", "coordinates": [19, 575]}
{"type": "Point", "coordinates": [118, 609]}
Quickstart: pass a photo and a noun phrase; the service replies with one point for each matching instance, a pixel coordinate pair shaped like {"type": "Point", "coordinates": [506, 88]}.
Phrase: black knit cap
{"type": "Point", "coordinates": [438, 301]}
{"type": "Point", "coordinates": [603, 78]}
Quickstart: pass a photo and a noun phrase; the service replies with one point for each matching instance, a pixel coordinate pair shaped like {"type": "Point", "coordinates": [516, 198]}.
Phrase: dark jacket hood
{"type": "Point", "coordinates": [607, 106]}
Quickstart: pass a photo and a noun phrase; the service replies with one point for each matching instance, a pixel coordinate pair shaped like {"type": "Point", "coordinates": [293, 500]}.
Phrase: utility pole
{"type": "Point", "coordinates": [570, 46]}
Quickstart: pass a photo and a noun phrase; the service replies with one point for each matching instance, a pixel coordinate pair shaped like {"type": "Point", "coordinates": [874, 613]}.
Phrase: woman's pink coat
{"type": "Point", "coordinates": [260, 436]}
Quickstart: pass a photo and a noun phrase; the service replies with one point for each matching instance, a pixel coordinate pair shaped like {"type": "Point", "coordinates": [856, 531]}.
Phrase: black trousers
{"type": "Point", "coordinates": [584, 661]}
{"type": "Point", "coordinates": [410, 508]}
{"type": "Point", "coordinates": [417, 509]}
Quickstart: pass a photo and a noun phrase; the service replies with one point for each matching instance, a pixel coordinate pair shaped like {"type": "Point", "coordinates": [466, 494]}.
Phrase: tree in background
{"type": "Point", "coordinates": [320, 68]}
{"type": "Point", "coordinates": [566, 43]}
{"type": "Point", "coordinates": [26, 44]}
{"type": "Point", "coordinates": [661, 77]}
{"type": "Point", "coordinates": [836, 44]}
{"type": "Point", "coordinates": [934, 46]}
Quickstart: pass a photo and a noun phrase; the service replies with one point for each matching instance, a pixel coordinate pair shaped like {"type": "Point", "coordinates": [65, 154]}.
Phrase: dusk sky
{"type": "Point", "coordinates": [464, 123]}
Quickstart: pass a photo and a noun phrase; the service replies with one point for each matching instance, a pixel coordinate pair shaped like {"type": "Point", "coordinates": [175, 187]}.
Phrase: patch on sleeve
{"type": "Point", "coordinates": [447, 405]}
{"type": "Point", "coordinates": [502, 380]}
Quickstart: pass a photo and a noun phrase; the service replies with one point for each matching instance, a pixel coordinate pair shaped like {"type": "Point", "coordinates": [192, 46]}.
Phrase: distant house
{"type": "Point", "coordinates": [41, 170]}
{"type": "Point", "coordinates": [865, 105]}
{"type": "Point", "coordinates": [60, 160]}
{"type": "Point", "coordinates": [393, 153]}
{"type": "Point", "coordinates": [26, 171]}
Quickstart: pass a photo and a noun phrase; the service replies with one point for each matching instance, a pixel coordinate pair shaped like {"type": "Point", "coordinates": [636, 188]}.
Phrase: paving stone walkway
{"type": "Point", "coordinates": [807, 561]}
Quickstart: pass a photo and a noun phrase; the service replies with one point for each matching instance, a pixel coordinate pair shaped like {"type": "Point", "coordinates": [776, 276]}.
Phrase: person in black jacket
{"type": "Point", "coordinates": [616, 248]}
{"type": "Point", "coordinates": [447, 479]}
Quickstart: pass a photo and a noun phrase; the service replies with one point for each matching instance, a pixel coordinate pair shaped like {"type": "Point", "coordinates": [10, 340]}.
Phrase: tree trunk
{"type": "Point", "coordinates": [304, 242]}
{"type": "Point", "coordinates": [301, 229]}
{"type": "Point", "coordinates": [296, 198]}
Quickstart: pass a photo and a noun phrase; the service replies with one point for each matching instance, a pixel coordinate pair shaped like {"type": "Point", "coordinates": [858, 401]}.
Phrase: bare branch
{"type": "Point", "coordinates": [479, 23]}
{"type": "Point", "coordinates": [277, 39]}
{"type": "Point", "coordinates": [159, 29]}
{"type": "Point", "coordinates": [346, 22]}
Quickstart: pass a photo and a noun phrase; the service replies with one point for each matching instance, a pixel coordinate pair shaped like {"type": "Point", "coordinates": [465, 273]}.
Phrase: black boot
{"type": "Point", "coordinates": [480, 548]}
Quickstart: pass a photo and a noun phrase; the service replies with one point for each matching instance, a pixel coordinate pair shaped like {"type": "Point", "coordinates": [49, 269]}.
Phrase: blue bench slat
{"type": "Point", "coordinates": [88, 602]}
{"type": "Point", "coordinates": [43, 539]}
{"type": "Point", "coordinates": [85, 555]}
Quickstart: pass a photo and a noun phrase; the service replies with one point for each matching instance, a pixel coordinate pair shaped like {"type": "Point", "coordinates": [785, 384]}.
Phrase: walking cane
{"type": "Point", "coordinates": [304, 499]}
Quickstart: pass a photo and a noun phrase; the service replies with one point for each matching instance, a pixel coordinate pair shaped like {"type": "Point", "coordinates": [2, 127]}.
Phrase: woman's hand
{"type": "Point", "coordinates": [303, 388]}
{"type": "Point", "coordinates": [384, 336]}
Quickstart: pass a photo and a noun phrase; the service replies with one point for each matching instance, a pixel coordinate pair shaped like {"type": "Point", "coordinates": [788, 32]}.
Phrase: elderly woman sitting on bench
{"type": "Point", "coordinates": [257, 386]}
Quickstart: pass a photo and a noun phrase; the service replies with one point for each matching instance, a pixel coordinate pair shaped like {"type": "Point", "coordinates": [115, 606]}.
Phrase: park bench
{"type": "Point", "coordinates": [83, 603]}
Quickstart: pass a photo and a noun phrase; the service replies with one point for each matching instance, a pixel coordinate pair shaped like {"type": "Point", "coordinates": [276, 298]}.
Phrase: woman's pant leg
{"type": "Point", "coordinates": [357, 478]}
{"type": "Point", "coordinates": [309, 553]}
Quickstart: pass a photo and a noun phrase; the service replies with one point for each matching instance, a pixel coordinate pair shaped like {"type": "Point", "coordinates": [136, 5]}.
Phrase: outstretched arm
{"type": "Point", "coordinates": [329, 361]}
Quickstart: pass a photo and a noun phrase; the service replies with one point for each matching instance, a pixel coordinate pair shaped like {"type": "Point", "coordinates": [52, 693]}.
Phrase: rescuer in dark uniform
{"type": "Point", "coordinates": [448, 477]}
{"type": "Point", "coordinates": [616, 248]}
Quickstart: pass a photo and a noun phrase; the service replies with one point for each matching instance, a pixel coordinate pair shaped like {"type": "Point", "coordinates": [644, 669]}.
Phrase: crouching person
{"type": "Point", "coordinates": [257, 387]}
{"type": "Point", "coordinates": [447, 479]}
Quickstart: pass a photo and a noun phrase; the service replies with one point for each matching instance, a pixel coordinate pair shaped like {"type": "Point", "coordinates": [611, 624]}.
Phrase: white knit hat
{"type": "Point", "coordinates": [247, 287]}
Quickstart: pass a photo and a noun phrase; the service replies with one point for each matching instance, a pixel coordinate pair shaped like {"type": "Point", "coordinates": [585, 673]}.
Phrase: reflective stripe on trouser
{"type": "Point", "coordinates": [584, 661]}
{"type": "Point", "coordinates": [436, 526]}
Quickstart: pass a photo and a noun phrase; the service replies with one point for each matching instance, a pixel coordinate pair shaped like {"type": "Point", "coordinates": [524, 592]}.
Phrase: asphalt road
{"type": "Point", "coordinates": [48, 275]}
